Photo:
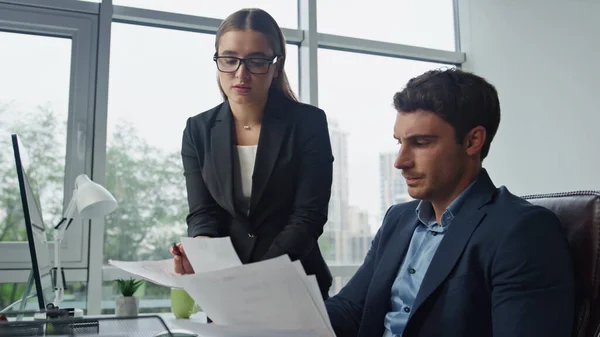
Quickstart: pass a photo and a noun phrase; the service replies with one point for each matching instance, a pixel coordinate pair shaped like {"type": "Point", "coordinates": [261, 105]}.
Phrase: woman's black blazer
{"type": "Point", "coordinates": [291, 184]}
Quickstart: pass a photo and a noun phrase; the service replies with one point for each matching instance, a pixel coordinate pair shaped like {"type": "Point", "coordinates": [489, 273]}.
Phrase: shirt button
{"type": "Point", "coordinates": [411, 271]}
{"type": "Point", "coordinates": [406, 309]}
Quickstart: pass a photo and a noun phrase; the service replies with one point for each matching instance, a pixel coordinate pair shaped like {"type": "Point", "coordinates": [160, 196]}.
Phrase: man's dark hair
{"type": "Point", "coordinates": [462, 99]}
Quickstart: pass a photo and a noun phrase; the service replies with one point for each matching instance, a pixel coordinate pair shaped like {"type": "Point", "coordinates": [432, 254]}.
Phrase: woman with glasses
{"type": "Point", "coordinates": [258, 166]}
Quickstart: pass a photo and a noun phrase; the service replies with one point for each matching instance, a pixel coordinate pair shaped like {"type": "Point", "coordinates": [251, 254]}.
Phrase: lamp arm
{"type": "Point", "coordinates": [72, 207]}
{"type": "Point", "coordinates": [59, 234]}
{"type": "Point", "coordinates": [58, 287]}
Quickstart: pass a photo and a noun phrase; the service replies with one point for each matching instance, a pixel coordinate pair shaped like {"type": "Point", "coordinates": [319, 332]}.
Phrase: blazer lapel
{"type": "Point", "coordinates": [221, 145]}
{"type": "Point", "coordinates": [379, 293]}
{"type": "Point", "coordinates": [447, 255]}
{"type": "Point", "coordinates": [456, 238]}
{"type": "Point", "coordinates": [272, 134]}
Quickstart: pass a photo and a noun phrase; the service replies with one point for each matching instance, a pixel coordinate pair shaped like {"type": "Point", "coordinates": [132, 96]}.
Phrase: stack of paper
{"type": "Point", "coordinates": [158, 272]}
{"type": "Point", "coordinates": [270, 295]}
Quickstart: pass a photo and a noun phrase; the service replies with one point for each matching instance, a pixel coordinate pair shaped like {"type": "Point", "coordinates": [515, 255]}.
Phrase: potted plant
{"type": "Point", "coordinates": [127, 304]}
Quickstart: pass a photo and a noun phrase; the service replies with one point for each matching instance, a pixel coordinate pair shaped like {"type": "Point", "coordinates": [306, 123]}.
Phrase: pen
{"type": "Point", "coordinates": [176, 249]}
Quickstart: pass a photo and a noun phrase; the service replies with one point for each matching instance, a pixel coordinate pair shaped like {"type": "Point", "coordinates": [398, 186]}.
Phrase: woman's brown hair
{"type": "Point", "coordinates": [260, 21]}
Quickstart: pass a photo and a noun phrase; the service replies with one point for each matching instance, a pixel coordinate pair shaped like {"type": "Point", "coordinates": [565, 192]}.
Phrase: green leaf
{"type": "Point", "coordinates": [128, 287]}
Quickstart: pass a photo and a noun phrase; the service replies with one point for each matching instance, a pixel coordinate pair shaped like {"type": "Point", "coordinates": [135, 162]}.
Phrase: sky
{"type": "Point", "coordinates": [159, 77]}
{"type": "Point", "coordinates": [35, 70]}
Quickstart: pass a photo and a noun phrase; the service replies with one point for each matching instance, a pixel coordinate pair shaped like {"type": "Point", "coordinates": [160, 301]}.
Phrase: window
{"type": "Point", "coordinates": [158, 79]}
{"type": "Point", "coordinates": [34, 97]}
{"type": "Point", "coordinates": [356, 92]}
{"type": "Point", "coordinates": [52, 92]}
{"type": "Point", "coordinates": [285, 12]}
{"type": "Point", "coordinates": [423, 23]}
{"type": "Point", "coordinates": [75, 296]}
{"type": "Point", "coordinates": [34, 100]}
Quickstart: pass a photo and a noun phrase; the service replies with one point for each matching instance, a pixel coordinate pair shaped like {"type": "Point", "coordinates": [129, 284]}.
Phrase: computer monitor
{"type": "Point", "coordinates": [36, 230]}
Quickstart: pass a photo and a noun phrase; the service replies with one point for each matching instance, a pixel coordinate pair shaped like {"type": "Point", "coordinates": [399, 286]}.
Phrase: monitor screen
{"type": "Point", "coordinates": [36, 230]}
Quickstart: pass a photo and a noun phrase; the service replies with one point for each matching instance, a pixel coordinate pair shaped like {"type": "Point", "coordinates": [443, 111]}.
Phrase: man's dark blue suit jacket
{"type": "Point", "coordinates": [503, 269]}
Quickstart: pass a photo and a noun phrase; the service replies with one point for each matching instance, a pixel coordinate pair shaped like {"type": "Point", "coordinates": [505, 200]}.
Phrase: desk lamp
{"type": "Point", "coordinates": [90, 200]}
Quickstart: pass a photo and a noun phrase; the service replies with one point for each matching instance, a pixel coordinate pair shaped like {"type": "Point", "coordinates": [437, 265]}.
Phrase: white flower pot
{"type": "Point", "coordinates": [127, 306]}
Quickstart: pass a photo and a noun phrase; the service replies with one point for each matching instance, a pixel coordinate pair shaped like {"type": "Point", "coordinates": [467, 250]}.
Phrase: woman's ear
{"type": "Point", "coordinates": [279, 67]}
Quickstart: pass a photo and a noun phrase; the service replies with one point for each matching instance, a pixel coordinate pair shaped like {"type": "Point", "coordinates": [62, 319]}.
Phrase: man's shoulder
{"type": "Point", "coordinates": [509, 215]}
{"type": "Point", "coordinates": [510, 206]}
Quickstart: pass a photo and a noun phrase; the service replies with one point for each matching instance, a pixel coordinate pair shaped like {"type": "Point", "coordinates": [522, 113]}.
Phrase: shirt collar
{"type": "Point", "coordinates": [426, 214]}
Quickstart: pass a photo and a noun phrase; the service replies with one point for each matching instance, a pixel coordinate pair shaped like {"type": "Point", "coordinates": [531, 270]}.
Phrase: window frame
{"type": "Point", "coordinates": [78, 25]}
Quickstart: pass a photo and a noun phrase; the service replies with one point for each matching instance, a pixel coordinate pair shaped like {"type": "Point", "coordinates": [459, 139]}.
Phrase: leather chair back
{"type": "Point", "coordinates": [579, 213]}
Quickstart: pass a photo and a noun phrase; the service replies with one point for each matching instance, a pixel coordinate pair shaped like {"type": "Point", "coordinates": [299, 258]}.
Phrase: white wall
{"type": "Point", "coordinates": [543, 56]}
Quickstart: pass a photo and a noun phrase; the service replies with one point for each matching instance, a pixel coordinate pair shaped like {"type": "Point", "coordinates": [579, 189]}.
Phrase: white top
{"type": "Point", "coordinates": [243, 176]}
{"type": "Point", "coordinates": [247, 156]}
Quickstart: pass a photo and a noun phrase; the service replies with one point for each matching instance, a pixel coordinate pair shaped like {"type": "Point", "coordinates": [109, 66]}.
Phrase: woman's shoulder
{"type": "Point", "coordinates": [202, 121]}
{"type": "Point", "coordinates": [304, 108]}
{"type": "Point", "coordinates": [206, 116]}
{"type": "Point", "coordinates": [303, 112]}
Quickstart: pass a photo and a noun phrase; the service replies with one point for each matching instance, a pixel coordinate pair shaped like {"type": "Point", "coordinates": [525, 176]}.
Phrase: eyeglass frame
{"type": "Point", "coordinates": [244, 60]}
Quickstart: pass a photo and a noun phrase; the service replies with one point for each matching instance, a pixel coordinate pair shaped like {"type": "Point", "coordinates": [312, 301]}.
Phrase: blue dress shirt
{"type": "Point", "coordinates": [423, 245]}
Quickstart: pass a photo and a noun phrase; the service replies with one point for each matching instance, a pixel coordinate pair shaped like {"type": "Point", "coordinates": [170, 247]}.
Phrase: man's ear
{"type": "Point", "coordinates": [475, 140]}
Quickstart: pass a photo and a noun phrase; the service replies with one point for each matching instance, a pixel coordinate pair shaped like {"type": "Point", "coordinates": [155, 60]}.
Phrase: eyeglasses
{"type": "Point", "coordinates": [254, 65]}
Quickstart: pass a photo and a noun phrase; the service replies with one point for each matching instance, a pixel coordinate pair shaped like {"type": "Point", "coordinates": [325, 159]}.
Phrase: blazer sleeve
{"type": "Point", "coordinates": [205, 215]}
{"type": "Point", "coordinates": [313, 192]}
{"type": "Point", "coordinates": [533, 287]}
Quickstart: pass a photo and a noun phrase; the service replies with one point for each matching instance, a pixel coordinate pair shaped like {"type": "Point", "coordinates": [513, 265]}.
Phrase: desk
{"type": "Point", "coordinates": [130, 327]}
{"type": "Point", "coordinates": [180, 323]}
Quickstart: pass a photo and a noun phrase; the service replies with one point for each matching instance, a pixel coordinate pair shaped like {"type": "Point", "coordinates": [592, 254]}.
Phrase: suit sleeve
{"type": "Point", "coordinates": [533, 287]}
{"type": "Point", "coordinates": [313, 192]}
{"type": "Point", "coordinates": [345, 309]}
{"type": "Point", "coordinates": [205, 216]}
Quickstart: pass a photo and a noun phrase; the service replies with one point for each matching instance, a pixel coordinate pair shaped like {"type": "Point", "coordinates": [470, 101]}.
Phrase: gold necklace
{"type": "Point", "coordinates": [248, 127]}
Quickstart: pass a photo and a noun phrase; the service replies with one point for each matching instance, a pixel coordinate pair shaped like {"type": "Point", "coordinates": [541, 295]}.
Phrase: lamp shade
{"type": "Point", "coordinates": [93, 200]}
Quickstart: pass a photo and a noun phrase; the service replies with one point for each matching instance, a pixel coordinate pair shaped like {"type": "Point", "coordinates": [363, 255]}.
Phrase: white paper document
{"type": "Point", "coordinates": [205, 254]}
{"type": "Point", "coordinates": [208, 254]}
{"type": "Point", "coordinates": [160, 272]}
{"type": "Point", "coordinates": [274, 297]}
{"type": "Point", "coordinates": [267, 294]}
{"type": "Point", "coordinates": [311, 284]}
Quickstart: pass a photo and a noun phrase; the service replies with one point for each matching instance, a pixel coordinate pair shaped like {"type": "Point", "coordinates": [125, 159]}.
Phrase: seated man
{"type": "Point", "coordinates": [466, 258]}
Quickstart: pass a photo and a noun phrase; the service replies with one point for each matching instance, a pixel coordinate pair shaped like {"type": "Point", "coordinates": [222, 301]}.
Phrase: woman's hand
{"type": "Point", "coordinates": [182, 263]}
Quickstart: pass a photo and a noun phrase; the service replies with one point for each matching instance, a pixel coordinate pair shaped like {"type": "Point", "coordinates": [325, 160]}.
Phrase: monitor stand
{"type": "Point", "coordinates": [24, 298]}
{"type": "Point", "coordinates": [72, 312]}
